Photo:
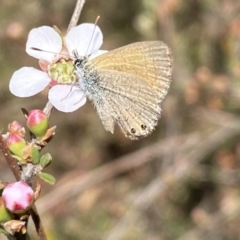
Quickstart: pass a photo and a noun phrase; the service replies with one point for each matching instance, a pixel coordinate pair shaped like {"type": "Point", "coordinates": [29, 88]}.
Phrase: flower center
{"type": "Point", "coordinates": [62, 71]}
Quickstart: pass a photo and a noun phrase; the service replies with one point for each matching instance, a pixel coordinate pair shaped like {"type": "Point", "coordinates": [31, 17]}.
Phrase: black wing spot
{"type": "Point", "coordinates": [133, 130]}
{"type": "Point", "coordinates": [143, 127]}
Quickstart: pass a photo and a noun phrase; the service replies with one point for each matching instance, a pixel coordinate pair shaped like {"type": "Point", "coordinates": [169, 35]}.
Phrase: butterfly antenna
{"type": "Point", "coordinates": [40, 50]}
{"type": "Point", "coordinates": [75, 54]}
{"type": "Point", "coordinates": [96, 21]}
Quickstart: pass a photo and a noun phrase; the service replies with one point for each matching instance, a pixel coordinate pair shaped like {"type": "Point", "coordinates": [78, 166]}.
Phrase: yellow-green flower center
{"type": "Point", "coordinates": [62, 71]}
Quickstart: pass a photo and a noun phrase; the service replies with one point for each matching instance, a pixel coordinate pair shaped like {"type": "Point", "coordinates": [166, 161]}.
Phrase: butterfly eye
{"type": "Point", "coordinates": [78, 62]}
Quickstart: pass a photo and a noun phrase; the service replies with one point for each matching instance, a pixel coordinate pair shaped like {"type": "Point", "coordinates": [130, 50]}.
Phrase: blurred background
{"type": "Point", "coordinates": [182, 182]}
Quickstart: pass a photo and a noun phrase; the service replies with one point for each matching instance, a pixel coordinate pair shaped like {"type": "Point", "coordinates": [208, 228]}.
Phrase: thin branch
{"type": "Point", "coordinates": [67, 189]}
{"type": "Point", "coordinates": [48, 109]}
{"type": "Point", "coordinates": [37, 222]}
{"type": "Point", "coordinates": [76, 14]}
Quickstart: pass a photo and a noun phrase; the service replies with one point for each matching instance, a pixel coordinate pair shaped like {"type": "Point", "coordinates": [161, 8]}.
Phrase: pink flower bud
{"type": "Point", "coordinates": [37, 122]}
{"type": "Point", "coordinates": [18, 197]}
{"type": "Point", "coordinates": [16, 144]}
{"type": "Point", "coordinates": [16, 127]}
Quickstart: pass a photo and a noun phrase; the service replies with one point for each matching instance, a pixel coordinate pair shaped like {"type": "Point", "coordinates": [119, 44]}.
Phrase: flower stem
{"type": "Point", "coordinates": [76, 14]}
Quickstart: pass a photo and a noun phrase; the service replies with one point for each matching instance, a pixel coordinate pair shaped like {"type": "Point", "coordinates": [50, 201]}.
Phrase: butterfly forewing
{"type": "Point", "coordinates": [150, 61]}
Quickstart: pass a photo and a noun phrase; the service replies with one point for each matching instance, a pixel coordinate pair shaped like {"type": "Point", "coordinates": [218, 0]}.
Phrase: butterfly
{"type": "Point", "coordinates": [127, 85]}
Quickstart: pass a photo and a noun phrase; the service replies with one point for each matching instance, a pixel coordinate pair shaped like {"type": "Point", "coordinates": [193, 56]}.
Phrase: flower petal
{"type": "Point", "coordinates": [28, 81]}
{"type": "Point", "coordinates": [86, 38]}
{"type": "Point", "coordinates": [97, 53]}
{"type": "Point", "coordinates": [47, 40]}
{"type": "Point", "coordinates": [66, 98]}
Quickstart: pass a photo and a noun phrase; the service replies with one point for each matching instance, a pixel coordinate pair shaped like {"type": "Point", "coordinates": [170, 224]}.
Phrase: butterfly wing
{"type": "Point", "coordinates": [134, 107]}
{"type": "Point", "coordinates": [150, 61]}
{"type": "Point", "coordinates": [131, 82]}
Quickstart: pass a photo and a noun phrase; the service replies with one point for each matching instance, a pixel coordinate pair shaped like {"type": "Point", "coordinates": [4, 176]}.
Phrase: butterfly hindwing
{"type": "Point", "coordinates": [134, 107]}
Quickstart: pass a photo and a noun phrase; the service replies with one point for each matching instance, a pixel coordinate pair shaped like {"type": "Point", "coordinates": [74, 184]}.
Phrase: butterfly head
{"type": "Point", "coordinates": [79, 62]}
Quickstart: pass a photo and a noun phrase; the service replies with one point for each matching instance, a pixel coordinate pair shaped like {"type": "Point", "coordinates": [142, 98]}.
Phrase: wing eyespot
{"type": "Point", "coordinates": [133, 130]}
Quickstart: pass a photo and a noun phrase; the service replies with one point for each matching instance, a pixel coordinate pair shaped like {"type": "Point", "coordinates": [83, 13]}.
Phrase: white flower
{"type": "Point", "coordinates": [56, 59]}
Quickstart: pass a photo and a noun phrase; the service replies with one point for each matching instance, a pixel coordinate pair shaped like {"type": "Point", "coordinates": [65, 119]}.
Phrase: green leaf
{"type": "Point", "coordinates": [5, 215]}
{"type": "Point", "coordinates": [47, 177]}
{"type": "Point", "coordinates": [45, 160]}
{"type": "Point", "coordinates": [35, 156]}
